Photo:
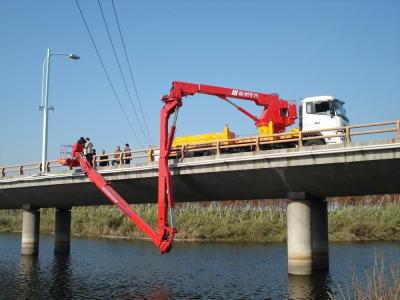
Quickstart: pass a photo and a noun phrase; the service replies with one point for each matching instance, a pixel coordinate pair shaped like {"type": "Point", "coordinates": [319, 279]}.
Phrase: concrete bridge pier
{"type": "Point", "coordinates": [30, 230]}
{"type": "Point", "coordinates": [319, 234]}
{"type": "Point", "coordinates": [307, 234]}
{"type": "Point", "coordinates": [62, 231]}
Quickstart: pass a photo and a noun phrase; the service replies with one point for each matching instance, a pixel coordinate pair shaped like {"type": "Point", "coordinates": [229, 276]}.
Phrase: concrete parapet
{"type": "Point", "coordinates": [62, 231]}
{"type": "Point", "coordinates": [30, 230]}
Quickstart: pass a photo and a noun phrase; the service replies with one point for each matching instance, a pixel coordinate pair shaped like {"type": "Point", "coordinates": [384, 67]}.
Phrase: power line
{"type": "Point", "coordinates": [105, 71]}
{"type": "Point", "coordinates": [130, 71]}
{"type": "Point", "coordinates": [122, 74]}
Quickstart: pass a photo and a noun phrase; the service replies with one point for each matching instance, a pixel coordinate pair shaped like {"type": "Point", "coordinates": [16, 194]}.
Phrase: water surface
{"type": "Point", "coordinates": [126, 269]}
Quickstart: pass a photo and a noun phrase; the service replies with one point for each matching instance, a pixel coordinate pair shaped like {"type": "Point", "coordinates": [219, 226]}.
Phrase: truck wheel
{"type": "Point", "coordinates": [314, 143]}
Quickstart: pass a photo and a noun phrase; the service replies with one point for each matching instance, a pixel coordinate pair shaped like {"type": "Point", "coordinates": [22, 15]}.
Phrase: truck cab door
{"type": "Point", "coordinates": [317, 115]}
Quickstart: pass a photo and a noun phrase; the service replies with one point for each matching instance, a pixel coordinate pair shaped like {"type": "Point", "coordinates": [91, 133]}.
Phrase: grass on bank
{"type": "Point", "coordinates": [221, 222]}
{"type": "Point", "coordinates": [365, 222]}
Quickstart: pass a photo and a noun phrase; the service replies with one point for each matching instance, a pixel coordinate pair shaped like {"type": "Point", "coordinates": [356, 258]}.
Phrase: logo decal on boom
{"type": "Point", "coordinates": [244, 94]}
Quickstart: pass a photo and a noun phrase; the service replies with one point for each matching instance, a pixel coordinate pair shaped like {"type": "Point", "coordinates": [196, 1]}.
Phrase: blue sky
{"type": "Point", "coordinates": [349, 49]}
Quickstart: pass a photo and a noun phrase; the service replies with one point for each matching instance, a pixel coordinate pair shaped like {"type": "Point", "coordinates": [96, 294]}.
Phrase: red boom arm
{"type": "Point", "coordinates": [278, 111]}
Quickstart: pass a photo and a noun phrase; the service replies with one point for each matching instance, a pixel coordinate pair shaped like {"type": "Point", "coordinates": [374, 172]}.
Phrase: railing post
{"type": "Point", "coordinates": [398, 128]}
{"type": "Point", "coordinates": [257, 143]}
{"type": "Point", "coordinates": [21, 170]}
{"type": "Point", "coordinates": [300, 139]}
{"type": "Point", "coordinates": [183, 151]}
{"type": "Point", "coordinates": [120, 158]}
{"type": "Point", "coordinates": [94, 160]}
{"type": "Point", "coordinates": [47, 166]}
{"type": "Point", "coordinates": [218, 148]}
{"type": "Point", "coordinates": [150, 155]}
{"type": "Point", "coordinates": [347, 130]}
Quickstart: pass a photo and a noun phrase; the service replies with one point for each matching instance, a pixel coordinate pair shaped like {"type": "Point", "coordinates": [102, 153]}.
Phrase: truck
{"type": "Point", "coordinates": [316, 116]}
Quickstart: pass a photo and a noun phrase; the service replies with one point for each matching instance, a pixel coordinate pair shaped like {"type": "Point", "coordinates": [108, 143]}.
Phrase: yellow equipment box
{"type": "Point", "coordinates": [204, 138]}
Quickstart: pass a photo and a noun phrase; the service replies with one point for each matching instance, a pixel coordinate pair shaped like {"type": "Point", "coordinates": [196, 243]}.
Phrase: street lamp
{"type": "Point", "coordinates": [45, 100]}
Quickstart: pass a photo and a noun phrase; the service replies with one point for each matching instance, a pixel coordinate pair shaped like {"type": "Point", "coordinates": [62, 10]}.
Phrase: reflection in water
{"type": "Point", "coordinates": [316, 286]}
{"type": "Point", "coordinates": [28, 275]}
{"type": "Point", "coordinates": [31, 278]}
{"type": "Point", "coordinates": [157, 294]}
{"type": "Point", "coordinates": [61, 283]}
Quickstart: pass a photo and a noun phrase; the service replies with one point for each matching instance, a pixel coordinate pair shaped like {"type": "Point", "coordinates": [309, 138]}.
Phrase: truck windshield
{"type": "Point", "coordinates": [339, 109]}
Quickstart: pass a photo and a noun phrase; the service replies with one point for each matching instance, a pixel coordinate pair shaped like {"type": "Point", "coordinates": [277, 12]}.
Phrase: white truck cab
{"type": "Point", "coordinates": [322, 112]}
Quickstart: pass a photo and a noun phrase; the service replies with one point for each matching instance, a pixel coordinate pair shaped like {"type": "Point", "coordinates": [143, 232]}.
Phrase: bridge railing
{"type": "Point", "coordinates": [30, 168]}
{"type": "Point", "coordinates": [295, 138]}
{"type": "Point", "coordinates": [121, 158]}
{"type": "Point", "coordinates": [254, 143]}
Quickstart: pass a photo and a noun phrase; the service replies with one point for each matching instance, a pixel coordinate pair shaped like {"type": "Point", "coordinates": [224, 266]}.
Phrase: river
{"type": "Point", "coordinates": [127, 269]}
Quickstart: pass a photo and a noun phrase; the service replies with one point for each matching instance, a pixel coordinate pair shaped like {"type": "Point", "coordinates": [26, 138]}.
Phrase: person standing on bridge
{"type": "Point", "coordinates": [94, 158]}
{"type": "Point", "coordinates": [127, 154]}
{"type": "Point", "coordinates": [117, 156]}
{"type": "Point", "coordinates": [88, 151]}
{"type": "Point", "coordinates": [81, 141]}
{"type": "Point", "coordinates": [103, 159]}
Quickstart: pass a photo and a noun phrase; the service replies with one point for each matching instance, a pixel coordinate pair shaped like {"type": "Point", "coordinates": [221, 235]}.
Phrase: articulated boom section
{"type": "Point", "coordinates": [164, 236]}
{"type": "Point", "coordinates": [276, 116]}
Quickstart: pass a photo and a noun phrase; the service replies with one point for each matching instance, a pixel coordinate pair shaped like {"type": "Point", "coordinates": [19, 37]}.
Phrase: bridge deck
{"type": "Point", "coordinates": [362, 168]}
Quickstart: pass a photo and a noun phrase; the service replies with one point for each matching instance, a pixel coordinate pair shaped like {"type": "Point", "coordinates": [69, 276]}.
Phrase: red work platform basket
{"type": "Point", "coordinates": [65, 155]}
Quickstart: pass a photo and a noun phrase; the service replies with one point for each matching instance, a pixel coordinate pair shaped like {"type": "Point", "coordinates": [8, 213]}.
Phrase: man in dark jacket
{"type": "Point", "coordinates": [127, 154]}
{"type": "Point", "coordinates": [103, 159]}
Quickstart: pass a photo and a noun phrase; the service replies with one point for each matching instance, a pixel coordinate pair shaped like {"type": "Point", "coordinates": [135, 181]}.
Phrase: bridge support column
{"type": "Point", "coordinates": [319, 234]}
{"type": "Point", "coordinates": [299, 237]}
{"type": "Point", "coordinates": [30, 230]}
{"type": "Point", "coordinates": [62, 231]}
{"type": "Point", "coordinates": [307, 231]}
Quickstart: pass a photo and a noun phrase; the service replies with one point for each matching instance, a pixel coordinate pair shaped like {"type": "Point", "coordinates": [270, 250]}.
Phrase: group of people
{"type": "Point", "coordinates": [103, 159]}
{"type": "Point", "coordinates": [126, 156]}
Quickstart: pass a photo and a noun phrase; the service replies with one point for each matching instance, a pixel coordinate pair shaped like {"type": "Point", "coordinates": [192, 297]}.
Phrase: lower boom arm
{"type": "Point", "coordinates": [165, 232]}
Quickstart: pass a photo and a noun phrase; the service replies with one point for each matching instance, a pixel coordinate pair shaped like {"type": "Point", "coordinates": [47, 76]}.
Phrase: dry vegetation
{"type": "Point", "coordinates": [375, 284]}
{"type": "Point", "coordinates": [367, 218]}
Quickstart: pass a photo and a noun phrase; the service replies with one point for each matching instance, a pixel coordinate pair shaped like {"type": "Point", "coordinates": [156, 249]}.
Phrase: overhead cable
{"type": "Point", "coordinates": [107, 75]}
{"type": "Point", "coordinates": [122, 74]}
{"type": "Point", "coordinates": [130, 71]}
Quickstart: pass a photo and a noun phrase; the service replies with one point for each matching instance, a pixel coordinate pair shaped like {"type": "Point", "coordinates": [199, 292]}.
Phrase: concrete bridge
{"type": "Point", "coordinates": [363, 168]}
{"type": "Point", "coordinates": [305, 175]}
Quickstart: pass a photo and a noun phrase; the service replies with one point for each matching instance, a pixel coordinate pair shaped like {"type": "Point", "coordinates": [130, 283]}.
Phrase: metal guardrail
{"type": "Point", "coordinates": [255, 143]}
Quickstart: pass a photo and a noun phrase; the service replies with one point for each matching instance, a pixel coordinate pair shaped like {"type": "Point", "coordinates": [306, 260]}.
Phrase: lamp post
{"type": "Point", "coordinates": [45, 101]}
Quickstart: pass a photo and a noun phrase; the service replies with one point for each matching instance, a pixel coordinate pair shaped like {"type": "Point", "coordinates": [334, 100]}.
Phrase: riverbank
{"type": "Point", "coordinates": [221, 222]}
